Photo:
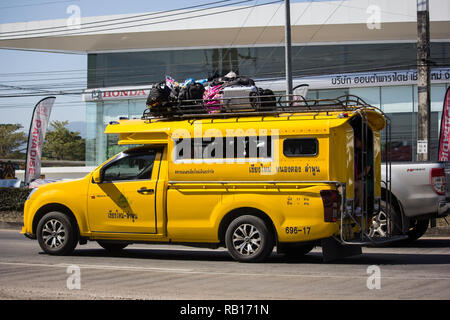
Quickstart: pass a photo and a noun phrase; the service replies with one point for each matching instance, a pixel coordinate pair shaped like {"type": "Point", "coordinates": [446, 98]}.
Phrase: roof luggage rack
{"type": "Point", "coordinates": [268, 105]}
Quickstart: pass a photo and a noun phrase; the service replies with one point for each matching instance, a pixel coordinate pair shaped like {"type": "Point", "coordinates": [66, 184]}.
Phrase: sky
{"type": "Point", "coordinates": [29, 67]}
{"type": "Point", "coordinates": [22, 68]}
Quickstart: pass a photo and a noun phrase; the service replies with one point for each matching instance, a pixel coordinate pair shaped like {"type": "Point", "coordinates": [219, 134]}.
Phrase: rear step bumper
{"type": "Point", "coordinates": [374, 241]}
{"type": "Point", "coordinates": [334, 248]}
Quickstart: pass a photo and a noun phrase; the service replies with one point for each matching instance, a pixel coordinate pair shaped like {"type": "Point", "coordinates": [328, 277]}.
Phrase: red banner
{"type": "Point", "coordinates": [444, 137]}
{"type": "Point", "coordinates": [36, 137]}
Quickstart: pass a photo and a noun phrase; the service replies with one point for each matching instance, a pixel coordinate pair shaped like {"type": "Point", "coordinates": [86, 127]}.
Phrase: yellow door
{"type": "Point", "coordinates": [124, 200]}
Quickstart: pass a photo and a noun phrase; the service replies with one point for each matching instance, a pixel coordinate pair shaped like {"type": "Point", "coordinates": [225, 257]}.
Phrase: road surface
{"type": "Point", "coordinates": [417, 271]}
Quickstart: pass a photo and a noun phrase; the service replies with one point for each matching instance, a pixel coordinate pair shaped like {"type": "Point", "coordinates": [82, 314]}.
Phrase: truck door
{"type": "Point", "coordinates": [124, 200]}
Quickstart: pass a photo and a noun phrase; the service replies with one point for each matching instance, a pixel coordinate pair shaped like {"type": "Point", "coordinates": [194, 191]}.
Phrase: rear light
{"type": "Point", "coordinates": [331, 204]}
{"type": "Point", "coordinates": [438, 180]}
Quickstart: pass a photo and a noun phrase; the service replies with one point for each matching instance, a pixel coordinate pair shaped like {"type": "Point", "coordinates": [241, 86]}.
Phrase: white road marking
{"type": "Point", "coordinates": [210, 273]}
{"type": "Point", "coordinates": [91, 266]}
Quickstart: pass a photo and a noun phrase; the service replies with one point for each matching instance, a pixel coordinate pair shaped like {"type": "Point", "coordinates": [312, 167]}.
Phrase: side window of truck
{"type": "Point", "coordinates": [132, 166]}
{"type": "Point", "coordinates": [300, 147]}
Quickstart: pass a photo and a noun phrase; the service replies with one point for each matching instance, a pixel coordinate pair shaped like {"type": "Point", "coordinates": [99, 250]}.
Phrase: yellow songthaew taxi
{"type": "Point", "coordinates": [248, 182]}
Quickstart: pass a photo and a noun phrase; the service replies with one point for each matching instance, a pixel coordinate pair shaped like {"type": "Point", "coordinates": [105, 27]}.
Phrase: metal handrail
{"type": "Point", "coordinates": [254, 106]}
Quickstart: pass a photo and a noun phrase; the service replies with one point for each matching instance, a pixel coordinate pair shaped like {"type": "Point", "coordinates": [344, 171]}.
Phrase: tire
{"type": "Point", "coordinates": [112, 247]}
{"type": "Point", "coordinates": [417, 229]}
{"type": "Point", "coordinates": [57, 234]}
{"type": "Point", "coordinates": [248, 239]}
{"type": "Point", "coordinates": [379, 226]}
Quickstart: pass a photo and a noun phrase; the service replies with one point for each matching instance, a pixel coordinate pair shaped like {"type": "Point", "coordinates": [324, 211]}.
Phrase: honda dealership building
{"type": "Point", "coordinates": [364, 48]}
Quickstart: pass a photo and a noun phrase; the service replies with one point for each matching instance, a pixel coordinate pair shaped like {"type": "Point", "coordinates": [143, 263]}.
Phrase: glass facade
{"type": "Point", "coordinates": [400, 105]}
{"type": "Point", "coordinates": [100, 147]}
{"type": "Point", "coordinates": [399, 102]}
{"type": "Point", "coordinates": [143, 68]}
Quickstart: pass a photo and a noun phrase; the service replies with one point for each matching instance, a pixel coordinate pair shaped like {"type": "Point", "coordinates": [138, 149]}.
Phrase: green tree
{"type": "Point", "coordinates": [12, 141]}
{"type": "Point", "coordinates": [62, 144]}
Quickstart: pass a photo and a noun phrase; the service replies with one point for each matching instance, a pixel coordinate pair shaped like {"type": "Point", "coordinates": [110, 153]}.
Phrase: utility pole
{"type": "Point", "coordinates": [288, 58]}
{"type": "Point", "coordinates": [423, 81]}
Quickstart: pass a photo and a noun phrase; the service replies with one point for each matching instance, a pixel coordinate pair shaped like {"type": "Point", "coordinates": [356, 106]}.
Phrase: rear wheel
{"type": "Point", "coordinates": [417, 229]}
{"type": "Point", "coordinates": [248, 239]}
{"type": "Point", "coordinates": [57, 234]}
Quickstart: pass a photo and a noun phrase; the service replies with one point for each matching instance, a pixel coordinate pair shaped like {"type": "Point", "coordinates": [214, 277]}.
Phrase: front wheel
{"type": "Point", "coordinates": [248, 239]}
{"type": "Point", "coordinates": [57, 234]}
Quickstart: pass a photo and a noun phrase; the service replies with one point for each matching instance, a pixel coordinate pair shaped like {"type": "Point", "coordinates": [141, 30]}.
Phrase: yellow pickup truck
{"type": "Point", "coordinates": [249, 182]}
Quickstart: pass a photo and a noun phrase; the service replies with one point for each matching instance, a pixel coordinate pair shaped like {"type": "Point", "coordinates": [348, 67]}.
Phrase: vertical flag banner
{"type": "Point", "coordinates": [36, 138]}
{"type": "Point", "coordinates": [444, 136]}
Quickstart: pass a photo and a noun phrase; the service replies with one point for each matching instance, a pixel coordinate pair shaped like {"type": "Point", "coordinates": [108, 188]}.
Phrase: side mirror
{"type": "Point", "coordinates": [96, 176]}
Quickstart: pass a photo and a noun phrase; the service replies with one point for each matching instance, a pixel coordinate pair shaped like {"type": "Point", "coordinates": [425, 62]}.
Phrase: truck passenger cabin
{"type": "Point", "coordinates": [247, 182]}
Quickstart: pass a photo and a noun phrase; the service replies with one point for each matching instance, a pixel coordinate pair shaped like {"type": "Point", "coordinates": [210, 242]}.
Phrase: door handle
{"type": "Point", "coordinates": [144, 190]}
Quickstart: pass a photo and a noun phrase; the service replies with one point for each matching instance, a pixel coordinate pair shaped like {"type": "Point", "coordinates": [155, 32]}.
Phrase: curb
{"type": "Point", "coordinates": [11, 225]}
{"type": "Point", "coordinates": [439, 231]}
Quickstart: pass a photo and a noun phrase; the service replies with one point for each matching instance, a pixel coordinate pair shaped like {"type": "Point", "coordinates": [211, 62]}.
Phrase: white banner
{"type": "Point", "coordinates": [36, 138]}
{"type": "Point", "coordinates": [359, 80]}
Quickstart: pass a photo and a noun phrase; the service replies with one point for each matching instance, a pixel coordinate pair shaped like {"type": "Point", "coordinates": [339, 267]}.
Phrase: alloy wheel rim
{"type": "Point", "coordinates": [53, 234]}
{"type": "Point", "coordinates": [247, 239]}
{"type": "Point", "coordinates": [379, 225]}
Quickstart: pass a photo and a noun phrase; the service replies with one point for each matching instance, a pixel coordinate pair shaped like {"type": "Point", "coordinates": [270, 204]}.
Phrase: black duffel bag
{"type": "Point", "coordinates": [264, 100]}
{"type": "Point", "coordinates": [158, 100]}
{"type": "Point", "coordinates": [193, 93]}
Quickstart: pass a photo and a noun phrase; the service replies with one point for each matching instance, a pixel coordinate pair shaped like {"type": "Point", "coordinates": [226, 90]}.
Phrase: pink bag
{"type": "Point", "coordinates": [212, 98]}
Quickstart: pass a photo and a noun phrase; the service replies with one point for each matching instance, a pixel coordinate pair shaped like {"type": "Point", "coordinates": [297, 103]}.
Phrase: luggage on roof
{"type": "Point", "coordinates": [220, 94]}
{"type": "Point", "coordinates": [158, 100]}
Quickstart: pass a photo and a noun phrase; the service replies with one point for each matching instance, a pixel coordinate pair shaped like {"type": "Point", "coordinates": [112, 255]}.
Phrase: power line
{"type": "Point", "coordinates": [155, 13]}
{"type": "Point", "coordinates": [318, 72]}
{"type": "Point", "coordinates": [53, 86]}
{"type": "Point", "coordinates": [346, 48]}
{"type": "Point", "coordinates": [186, 18]}
{"type": "Point", "coordinates": [145, 78]}
{"type": "Point", "coordinates": [117, 71]}
{"type": "Point", "coordinates": [296, 21]}
{"type": "Point", "coordinates": [242, 26]}
{"type": "Point", "coordinates": [75, 33]}
{"type": "Point", "coordinates": [260, 34]}
{"type": "Point", "coordinates": [126, 80]}
{"type": "Point", "coordinates": [320, 27]}
{"type": "Point", "coordinates": [118, 19]}
{"type": "Point", "coordinates": [83, 29]}
{"type": "Point", "coordinates": [36, 4]}
{"type": "Point", "coordinates": [114, 72]}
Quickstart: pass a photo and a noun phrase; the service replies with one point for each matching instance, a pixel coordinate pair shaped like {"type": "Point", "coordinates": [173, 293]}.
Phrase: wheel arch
{"type": "Point", "coordinates": [398, 207]}
{"type": "Point", "coordinates": [235, 213]}
{"type": "Point", "coordinates": [50, 207]}
{"type": "Point", "coordinates": [395, 201]}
